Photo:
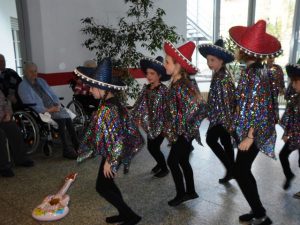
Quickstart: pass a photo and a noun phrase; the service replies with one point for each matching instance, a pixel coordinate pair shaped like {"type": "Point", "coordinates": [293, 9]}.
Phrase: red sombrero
{"type": "Point", "coordinates": [254, 40]}
{"type": "Point", "coordinates": [182, 55]}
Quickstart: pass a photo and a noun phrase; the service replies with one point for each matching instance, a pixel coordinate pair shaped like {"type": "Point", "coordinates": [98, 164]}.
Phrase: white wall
{"type": "Point", "coordinates": [55, 37]}
{"type": "Point", "coordinates": [55, 28]}
{"type": "Point", "coordinates": [7, 10]}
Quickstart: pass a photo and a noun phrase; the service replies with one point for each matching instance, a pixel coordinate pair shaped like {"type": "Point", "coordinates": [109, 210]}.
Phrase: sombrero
{"type": "Point", "coordinates": [216, 50]}
{"type": "Point", "coordinates": [155, 64]}
{"type": "Point", "coordinates": [182, 55]}
{"type": "Point", "coordinates": [254, 40]}
{"type": "Point", "coordinates": [100, 77]}
{"type": "Point", "coordinates": [293, 70]}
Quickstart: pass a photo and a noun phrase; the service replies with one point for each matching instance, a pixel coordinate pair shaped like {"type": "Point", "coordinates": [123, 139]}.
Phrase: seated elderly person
{"type": "Point", "coordinates": [9, 82]}
{"type": "Point", "coordinates": [9, 132]}
{"type": "Point", "coordinates": [34, 90]}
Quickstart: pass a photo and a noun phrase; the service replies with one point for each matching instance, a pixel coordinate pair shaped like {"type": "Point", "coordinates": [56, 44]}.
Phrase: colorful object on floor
{"type": "Point", "coordinates": [55, 207]}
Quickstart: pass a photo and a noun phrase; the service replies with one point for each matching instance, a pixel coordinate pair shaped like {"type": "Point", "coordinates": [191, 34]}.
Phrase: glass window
{"type": "Point", "coordinates": [199, 26]}
{"type": "Point", "coordinates": [230, 17]}
{"type": "Point", "coordinates": [279, 16]}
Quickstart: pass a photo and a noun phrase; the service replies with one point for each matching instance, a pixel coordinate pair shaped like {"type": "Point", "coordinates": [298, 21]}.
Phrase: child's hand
{"type": "Point", "coordinates": [246, 144]}
{"type": "Point", "coordinates": [108, 173]}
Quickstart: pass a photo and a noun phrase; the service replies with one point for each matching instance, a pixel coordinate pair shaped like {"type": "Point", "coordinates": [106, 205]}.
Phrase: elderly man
{"type": "Point", "coordinates": [9, 82]}
{"type": "Point", "coordinates": [10, 134]}
{"type": "Point", "coordinates": [36, 90]}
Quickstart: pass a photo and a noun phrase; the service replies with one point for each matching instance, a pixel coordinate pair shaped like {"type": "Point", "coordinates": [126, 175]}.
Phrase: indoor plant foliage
{"type": "Point", "coordinates": [142, 28]}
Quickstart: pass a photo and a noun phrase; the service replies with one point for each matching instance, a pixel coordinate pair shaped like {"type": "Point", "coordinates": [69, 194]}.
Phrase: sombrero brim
{"type": "Point", "coordinates": [265, 46]}
{"type": "Point", "coordinates": [185, 63]}
{"type": "Point", "coordinates": [221, 53]}
{"type": "Point", "coordinates": [293, 70]}
{"type": "Point", "coordinates": [87, 76]}
{"type": "Point", "coordinates": [149, 63]}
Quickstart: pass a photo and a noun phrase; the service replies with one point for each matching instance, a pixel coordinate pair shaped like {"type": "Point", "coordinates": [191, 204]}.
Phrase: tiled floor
{"type": "Point", "coordinates": [217, 204]}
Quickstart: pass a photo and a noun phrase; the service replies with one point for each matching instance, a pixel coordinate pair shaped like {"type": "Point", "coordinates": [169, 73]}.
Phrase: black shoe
{"type": "Point", "coordinates": [70, 155]}
{"type": "Point", "coordinates": [126, 170]}
{"type": "Point", "coordinates": [261, 221]}
{"type": "Point", "coordinates": [225, 179]}
{"type": "Point", "coordinates": [288, 181]}
{"type": "Point", "coordinates": [176, 201]}
{"type": "Point", "coordinates": [248, 217]}
{"type": "Point", "coordinates": [190, 196]}
{"type": "Point", "coordinates": [155, 169]}
{"type": "Point", "coordinates": [26, 163]}
{"type": "Point", "coordinates": [162, 173]}
{"type": "Point", "coordinates": [132, 221]}
{"type": "Point", "coordinates": [7, 173]}
{"type": "Point", "coordinates": [115, 219]}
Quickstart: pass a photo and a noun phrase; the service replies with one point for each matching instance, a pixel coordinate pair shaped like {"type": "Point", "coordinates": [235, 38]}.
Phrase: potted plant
{"type": "Point", "coordinates": [136, 30]}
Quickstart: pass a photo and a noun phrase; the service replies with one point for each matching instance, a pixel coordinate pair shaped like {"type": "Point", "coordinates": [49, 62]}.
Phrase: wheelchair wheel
{"type": "Point", "coordinates": [29, 130]}
{"type": "Point", "coordinates": [80, 121]}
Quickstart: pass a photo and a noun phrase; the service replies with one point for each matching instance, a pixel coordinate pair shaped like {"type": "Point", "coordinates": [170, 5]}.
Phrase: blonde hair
{"type": "Point", "coordinates": [90, 63]}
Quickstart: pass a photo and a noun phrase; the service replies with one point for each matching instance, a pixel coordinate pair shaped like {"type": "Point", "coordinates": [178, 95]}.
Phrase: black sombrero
{"type": "Point", "coordinates": [155, 64]}
{"type": "Point", "coordinates": [216, 50]}
{"type": "Point", "coordinates": [100, 77]}
{"type": "Point", "coordinates": [293, 70]}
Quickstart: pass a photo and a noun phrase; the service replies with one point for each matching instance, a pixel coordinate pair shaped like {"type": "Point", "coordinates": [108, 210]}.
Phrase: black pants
{"type": "Point", "coordinates": [246, 180]}
{"type": "Point", "coordinates": [154, 149]}
{"type": "Point", "coordinates": [180, 166]}
{"type": "Point", "coordinates": [107, 188]}
{"type": "Point", "coordinates": [224, 152]}
{"type": "Point", "coordinates": [284, 159]}
{"type": "Point", "coordinates": [63, 125]}
{"type": "Point", "coordinates": [10, 132]}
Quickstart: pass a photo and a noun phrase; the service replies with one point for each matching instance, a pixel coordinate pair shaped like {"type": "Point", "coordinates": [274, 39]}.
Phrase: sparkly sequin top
{"type": "Point", "coordinates": [255, 108]}
{"type": "Point", "coordinates": [290, 121]}
{"type": "Point", "coordinates": [221, 100]}
{"type": "Point", "coordinates": [188, 109]}
{"type": "Point", "coordinates": [150, 110]}
{"type": "Point", "coordinates": [276, 77]}
{"type": "Point", "coordinates": [111, 134]}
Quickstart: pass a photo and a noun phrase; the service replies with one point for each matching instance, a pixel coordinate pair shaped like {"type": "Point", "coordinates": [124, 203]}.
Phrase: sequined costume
{"type": "Point", "coordinates": [221, 100]}
{"type": "Point", "coordinates": [150, 110]}
{"type": "Point", "coordinates": [112, 135]}
{"type": "Point", "coordinates": [255, 108]}
{"type": "Point", "coordinates": [290, 121]}
{"type": "Point", "coordinates": [277, 84]}
{"type": "Point", "coordinates": [187, 111]}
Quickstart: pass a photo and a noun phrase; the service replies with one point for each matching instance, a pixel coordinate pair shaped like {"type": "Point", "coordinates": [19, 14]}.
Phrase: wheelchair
{"type": "Point", "coordinates": [83, 111]}
{"type": "Point", "coordinates": [35, 132]}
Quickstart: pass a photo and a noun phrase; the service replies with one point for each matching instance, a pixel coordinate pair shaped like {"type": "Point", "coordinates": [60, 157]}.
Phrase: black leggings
{"type": "Point", "coordinates": [284, 159]}
{"type": "Point", "coordinates": [246, 180]}
{"type": "Point", "coordinates": [224, 152]}
{"type": "Point", "coordinates": [179, 160]}
{"type": "Point", "coordinates": [154, 149]}
{"type": "Point", "coordinates": [10, 132]}
{"type": "Point", "coordinates": [107, 188]}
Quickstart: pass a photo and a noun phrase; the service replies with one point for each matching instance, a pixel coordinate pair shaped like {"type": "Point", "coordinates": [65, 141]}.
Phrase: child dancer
{"type": "Point", "coordinates": [112, 135]}
{"type": "Point", "coordinates": [187, 111]}
{"type": "Point", "coordinates": [150, 110]}
{"type": "Point", "coordinates": [255, 122]}
{"type": "Point", "coordinates": [291, 123]}
{"type": "Point", "coordinates": [221, 105]}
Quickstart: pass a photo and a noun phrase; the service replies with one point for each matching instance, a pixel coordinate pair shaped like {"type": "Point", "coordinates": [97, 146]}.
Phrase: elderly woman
{"type": "Point", "coordinates": [36, 90]}
{"type": "Point", "coordinates": [9, 133]}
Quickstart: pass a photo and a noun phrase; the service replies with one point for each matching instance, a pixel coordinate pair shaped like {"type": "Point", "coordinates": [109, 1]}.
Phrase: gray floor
{"type": "Point", "coordinates": [217, 204]}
